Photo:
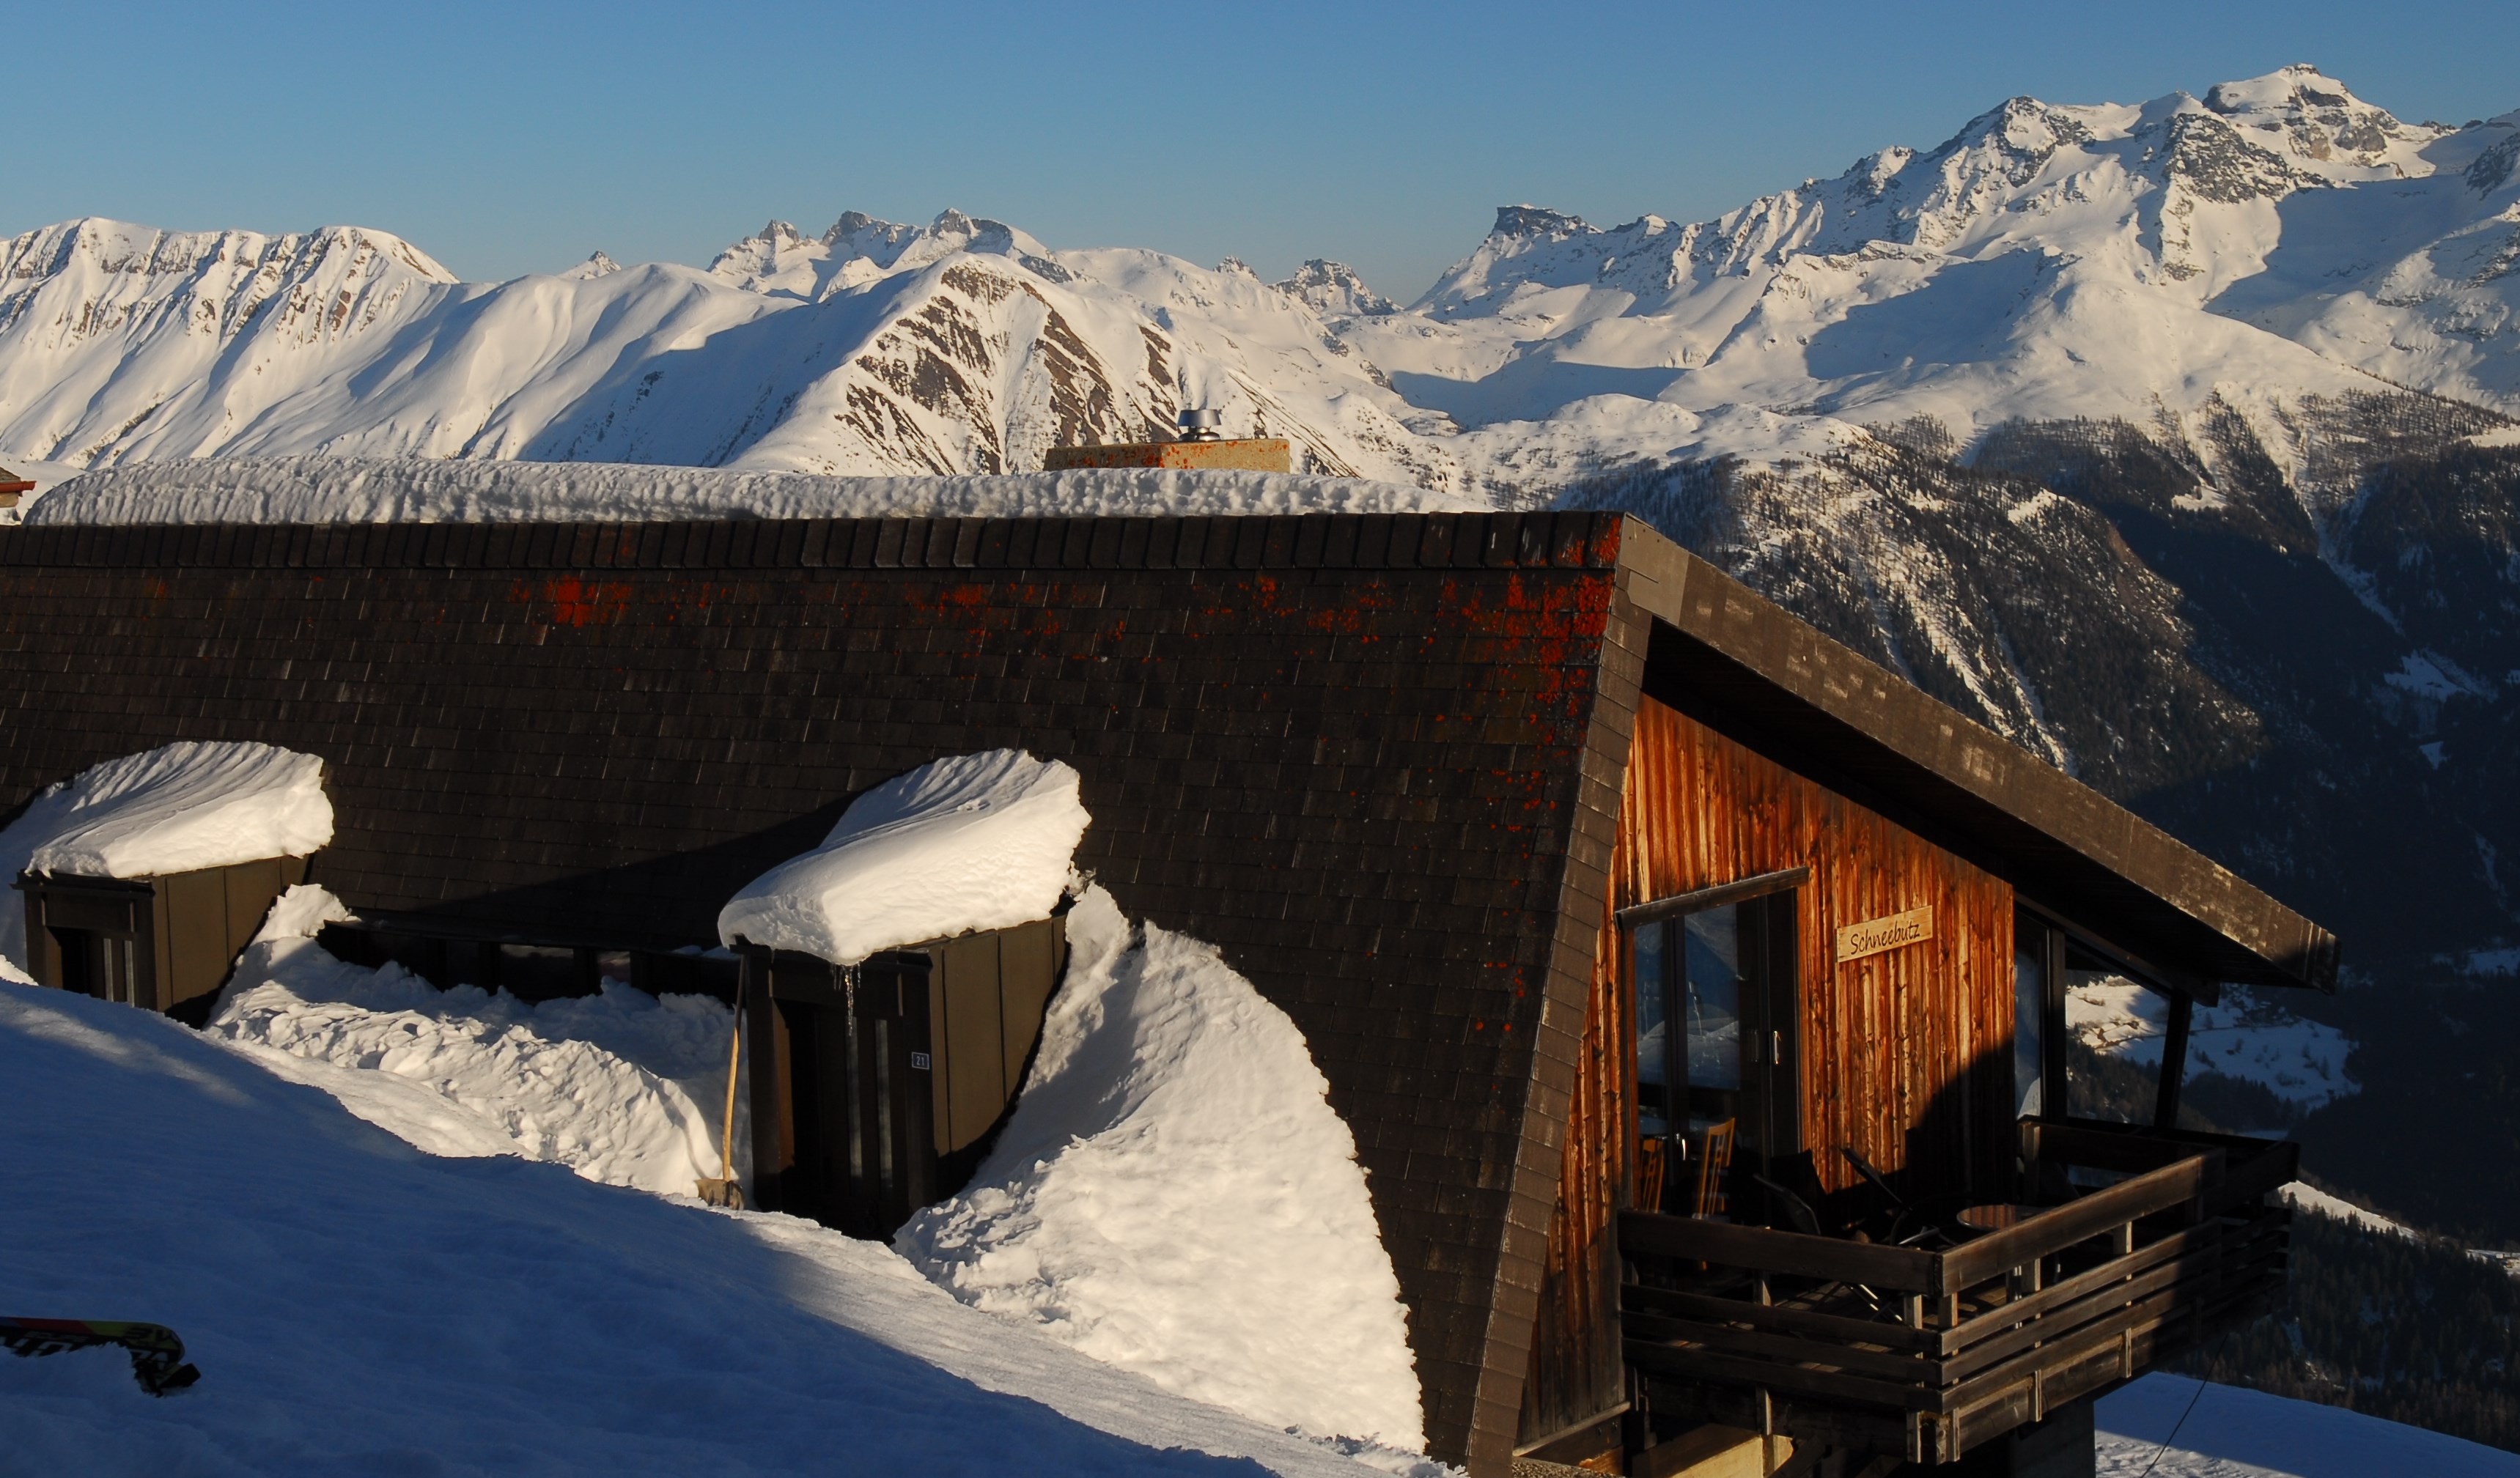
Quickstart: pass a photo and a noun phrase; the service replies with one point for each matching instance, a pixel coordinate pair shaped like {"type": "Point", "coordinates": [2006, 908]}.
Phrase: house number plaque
{"type": "Point", "coordinates": [1874, 936]}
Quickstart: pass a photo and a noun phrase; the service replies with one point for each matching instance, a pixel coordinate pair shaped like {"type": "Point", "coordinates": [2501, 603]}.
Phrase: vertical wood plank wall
{"type": "Point", "coordinates": [1906, 1056]}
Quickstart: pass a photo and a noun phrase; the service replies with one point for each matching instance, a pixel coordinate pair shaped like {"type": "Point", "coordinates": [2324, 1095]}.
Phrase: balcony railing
{"type": "Point", "coordinates": [1928, 1353]}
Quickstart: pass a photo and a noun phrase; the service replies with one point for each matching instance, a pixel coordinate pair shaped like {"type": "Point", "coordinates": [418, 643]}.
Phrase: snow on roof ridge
{"type": "Point", "coordinates": [178, 808]}
{"type": "Point", "coordinates": [317, 489]}
{"type": "Point", "coordinates": [976, 841]}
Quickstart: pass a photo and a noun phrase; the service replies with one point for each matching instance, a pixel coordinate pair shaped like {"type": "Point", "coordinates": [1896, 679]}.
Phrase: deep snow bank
{"type": "Point", "coordinates": [170, 810]}
{"type": "Point", "coordinates": [979, 841]}
{"type": "Point", "coordinates": [1174, 1195]}
{"type": "Point", "coordinates": [623, 1088]}
{"type": "Point", "coordinates": [357, 1306]}
{"type": "Point", "coordinates": [412, 490]}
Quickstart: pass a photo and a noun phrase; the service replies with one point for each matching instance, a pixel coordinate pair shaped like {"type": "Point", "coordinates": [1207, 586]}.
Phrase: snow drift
{"type": "Point", "coordinates": [621, 1087]}
{"type": "Point", "coordinates": [176, 809]}
{"type": "Point", "coordinates": [1174, 1195]}
{"type": "Point", "coordinates": [413, 490]}
{"type": "Point", "coordinates": [980, 841]}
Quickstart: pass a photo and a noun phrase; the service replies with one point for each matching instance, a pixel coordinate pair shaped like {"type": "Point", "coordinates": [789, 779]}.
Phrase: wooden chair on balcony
{"type": "Point", "coordinates": [1651, 1156]}
{"type": "Point", "coordinates": [1713, 1166]}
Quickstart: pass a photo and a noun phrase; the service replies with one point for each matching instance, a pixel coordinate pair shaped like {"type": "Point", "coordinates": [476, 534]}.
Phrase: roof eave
{"type": "Point", "coordinates": [2052, 827]}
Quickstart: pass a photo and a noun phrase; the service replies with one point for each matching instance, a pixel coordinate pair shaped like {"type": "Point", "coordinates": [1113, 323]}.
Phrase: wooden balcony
{"type": "Point", "coordinates": [1927, 1354]}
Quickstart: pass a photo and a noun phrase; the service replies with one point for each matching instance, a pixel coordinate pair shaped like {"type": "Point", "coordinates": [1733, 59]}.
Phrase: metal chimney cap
{"type": "Point", "coordinates": [1202, 425]}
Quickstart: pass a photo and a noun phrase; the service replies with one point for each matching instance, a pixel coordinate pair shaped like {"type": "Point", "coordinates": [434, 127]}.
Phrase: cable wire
{"type": "Point", "coordinates": [2219, 1346]}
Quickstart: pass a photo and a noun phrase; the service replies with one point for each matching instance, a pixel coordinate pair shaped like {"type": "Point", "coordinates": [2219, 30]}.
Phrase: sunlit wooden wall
{"type": "Point", "coordinates": [1906, 1056]}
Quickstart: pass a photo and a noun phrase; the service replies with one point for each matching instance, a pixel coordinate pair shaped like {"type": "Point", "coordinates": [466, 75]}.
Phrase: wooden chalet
{"type": "Point", "coordinates": [1693, 988]}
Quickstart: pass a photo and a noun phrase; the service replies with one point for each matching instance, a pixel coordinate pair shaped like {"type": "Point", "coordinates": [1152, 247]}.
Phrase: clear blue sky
{"type": "Point", "coordinates": [508, 138]}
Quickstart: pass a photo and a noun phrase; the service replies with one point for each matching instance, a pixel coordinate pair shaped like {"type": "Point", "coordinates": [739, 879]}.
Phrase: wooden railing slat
{"type": "Point", "coordinates": [2193, 1276]}
{"type": "Point", "coordinates": [1765, 1250]}
{"type": "Point", "coordinates": [1735, 1370]}
{"type": "Point", "coordinates": [2187, 1242]}
{"type": "Point", "coordinates": [1781, 1317]}
{"type": "Point", "coordinates": [2096, 1334]}
{"type": "Point", "coordinates": [2055, 1230]}
{"type": "Point", "coordinates": [1994, 1370]}
{"type": "Point", "coordinates": [1791, 1349]}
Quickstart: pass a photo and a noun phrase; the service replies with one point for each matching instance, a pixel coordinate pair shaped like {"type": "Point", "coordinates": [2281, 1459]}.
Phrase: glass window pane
{"type": "Point", "coordinates": [2113, 1037]}
{"type": "Point", "coordinates": [1653, 1094]}
{"type": "Point", "coordinates": [2029, 1020]}
{"type": "Point", "coordinates": [1714, 974]}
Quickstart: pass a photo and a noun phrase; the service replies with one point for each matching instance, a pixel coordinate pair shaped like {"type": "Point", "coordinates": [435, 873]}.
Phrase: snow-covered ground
{"type": "Point", "coordinates": [2168, 1426]}
{"type": "Point", "coordinates": [2306, 1197]}
{"type": "Point", "coordinates": [358, 1305]}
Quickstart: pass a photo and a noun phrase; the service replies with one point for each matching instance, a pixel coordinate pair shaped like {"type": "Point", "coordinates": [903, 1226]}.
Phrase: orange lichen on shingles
{"type": "Point", "coordinates": [568, 601]}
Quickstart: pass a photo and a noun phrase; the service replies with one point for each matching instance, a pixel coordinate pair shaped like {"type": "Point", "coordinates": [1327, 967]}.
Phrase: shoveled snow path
{"type": "Point", "coordinates": [358, 1306]}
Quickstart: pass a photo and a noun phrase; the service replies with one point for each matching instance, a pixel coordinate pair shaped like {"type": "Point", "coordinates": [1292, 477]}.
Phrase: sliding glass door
{"type": "Point", "coordinates": [1714, 1038]}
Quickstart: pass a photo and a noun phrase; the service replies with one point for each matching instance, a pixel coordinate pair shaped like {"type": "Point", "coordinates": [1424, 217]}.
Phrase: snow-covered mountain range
{"type": "Point", "coordinates": [958, 347]}
{"type": "Point", "coordinates": [2275, 245]}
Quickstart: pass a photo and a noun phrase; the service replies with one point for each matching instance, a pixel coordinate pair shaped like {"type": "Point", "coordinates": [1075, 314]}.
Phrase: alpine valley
{"type": "Point", "coordinates": [2180, 442]}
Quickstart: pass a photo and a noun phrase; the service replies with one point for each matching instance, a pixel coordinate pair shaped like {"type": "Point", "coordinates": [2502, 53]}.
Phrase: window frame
{"type": "Point", "coordinates": [1777, 988]}
{"type": "Point", "coordinates": [2182, 992]}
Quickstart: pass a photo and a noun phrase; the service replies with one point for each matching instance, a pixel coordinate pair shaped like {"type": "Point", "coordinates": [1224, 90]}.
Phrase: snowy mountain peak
{"type": "Point", "coordinates": [596, 265]}
{"type": "Point", "coordinates": [2316, 123]}
{"type": "Point", "coordinates": [1532, 220]}
{"type": "Point", "coordinates": [1335, 290]}
{"type": "Point", "coordinates": [120, 248]}
{"type": "Point", "coordinates": [859, 249]}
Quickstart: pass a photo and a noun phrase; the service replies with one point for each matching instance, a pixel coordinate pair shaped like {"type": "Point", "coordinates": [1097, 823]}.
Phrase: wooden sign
{"type": "Point", "coordinates": [1876, 935]}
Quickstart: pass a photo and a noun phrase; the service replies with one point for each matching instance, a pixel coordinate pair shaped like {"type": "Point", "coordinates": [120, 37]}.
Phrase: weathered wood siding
{"type": "Point", "coordinates": [1905, 1054]}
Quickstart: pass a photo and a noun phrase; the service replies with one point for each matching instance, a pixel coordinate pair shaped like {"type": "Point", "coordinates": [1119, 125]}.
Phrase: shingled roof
{"type": "Point", "coordinates": [1375, 758]}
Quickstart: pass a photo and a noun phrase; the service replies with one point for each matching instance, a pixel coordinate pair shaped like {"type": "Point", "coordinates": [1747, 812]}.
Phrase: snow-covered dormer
{"type": "Point", "coordinates": [903, 968]}
{"type": "Point", "coordinates": [145, 875]}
